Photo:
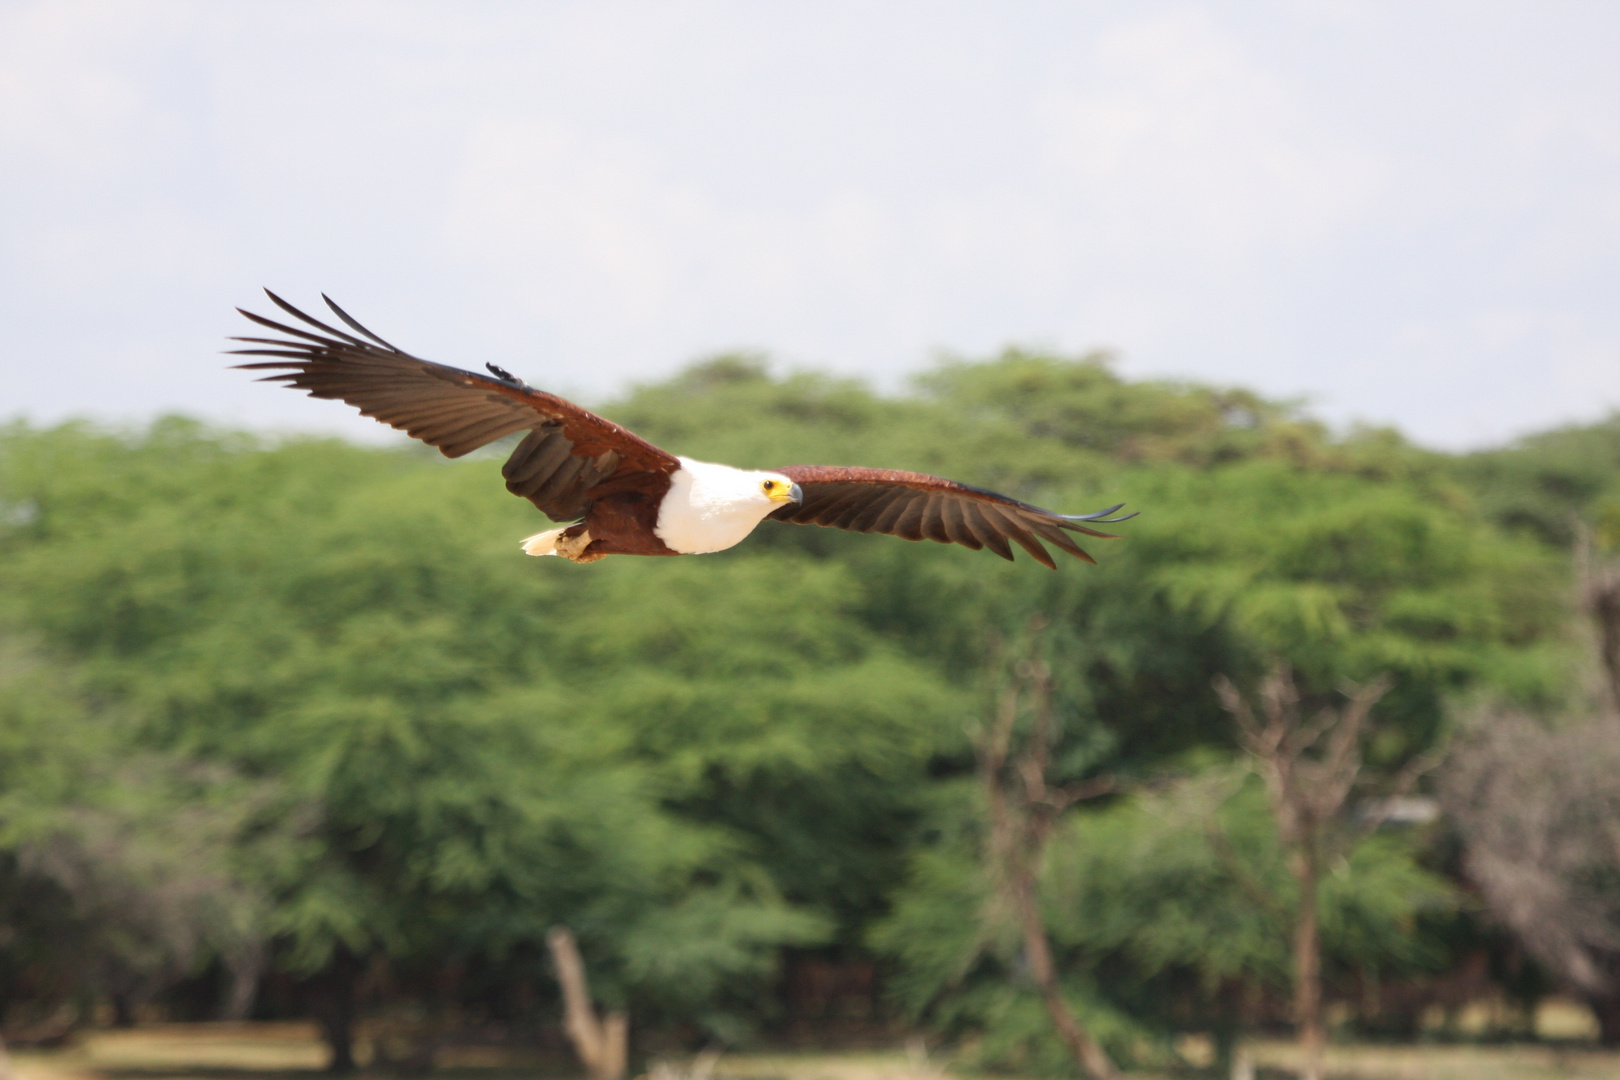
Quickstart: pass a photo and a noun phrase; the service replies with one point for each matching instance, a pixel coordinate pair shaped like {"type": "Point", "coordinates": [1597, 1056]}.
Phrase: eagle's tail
{"type": "Point", "coordinates": [544, 543]}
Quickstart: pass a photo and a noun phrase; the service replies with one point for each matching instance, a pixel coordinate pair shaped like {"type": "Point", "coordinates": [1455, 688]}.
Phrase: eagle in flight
{"type": "Point", "coordinates": [619, 494]}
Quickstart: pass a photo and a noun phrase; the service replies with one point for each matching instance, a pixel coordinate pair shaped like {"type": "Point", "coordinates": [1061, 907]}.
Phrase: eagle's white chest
{"type": "Point", "coordinates": [710, 507]}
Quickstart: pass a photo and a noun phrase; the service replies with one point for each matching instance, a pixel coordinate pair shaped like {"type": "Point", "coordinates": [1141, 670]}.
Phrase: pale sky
{"type": "Point", "coordinates": [1407, 212]}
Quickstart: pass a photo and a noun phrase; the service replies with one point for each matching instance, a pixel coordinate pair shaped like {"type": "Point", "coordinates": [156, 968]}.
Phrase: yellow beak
{"type": "Point", "coordinates": [793, 494]}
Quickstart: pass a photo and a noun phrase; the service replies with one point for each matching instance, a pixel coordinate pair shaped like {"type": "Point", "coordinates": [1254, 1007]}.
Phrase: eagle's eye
{"type": "Point", "coordinates": [778, 490]}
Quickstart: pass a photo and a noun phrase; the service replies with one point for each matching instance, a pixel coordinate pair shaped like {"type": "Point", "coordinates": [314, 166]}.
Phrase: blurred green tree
{"type": "Point", "coordinates": [1543, 483]}
{"type": "Point", "coordinates": [121, 868]}
{"type": "Point", "coordinates": [466, 760]}
{"type": "Point", "coordinates": [694, 762]}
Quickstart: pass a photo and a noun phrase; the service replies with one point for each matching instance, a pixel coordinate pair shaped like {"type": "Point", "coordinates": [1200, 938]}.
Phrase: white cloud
{"type": "Point", "coordinates": [62, 105]}
{"type": "Point", "coordinates": [1369, 203]}
{"type": "Point", "coordinates": [1183, 143]}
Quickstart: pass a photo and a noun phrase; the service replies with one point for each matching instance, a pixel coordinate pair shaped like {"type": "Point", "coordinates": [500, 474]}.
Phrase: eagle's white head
{"type": "Point", "coordinates": [711, 507]}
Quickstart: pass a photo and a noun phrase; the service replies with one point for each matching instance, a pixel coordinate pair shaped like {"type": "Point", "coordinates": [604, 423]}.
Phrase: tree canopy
{"type": "Point", "coordinates": [410, 742]}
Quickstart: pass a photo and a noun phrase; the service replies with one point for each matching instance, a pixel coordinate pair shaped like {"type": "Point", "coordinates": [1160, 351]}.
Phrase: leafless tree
{"type": "Point", "coordinates": [1538, 808]}
{"type": "Point", "coordinates": [1598, 586]}
{"type": "Point", "coordinates": [1023, 807]}
{"type": "Point", "coordinates": [1539, 814]}
{"type": "Point", "coordinates": [601, 1043]}
{"type": "Point", "coordinates": [151, 881]}
{"type": "Point", "coordinates": [1311, 764]}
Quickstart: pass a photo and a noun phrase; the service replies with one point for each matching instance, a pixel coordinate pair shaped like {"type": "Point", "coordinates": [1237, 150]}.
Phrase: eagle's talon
{"type": "Point", "coordinates": [575, 548]}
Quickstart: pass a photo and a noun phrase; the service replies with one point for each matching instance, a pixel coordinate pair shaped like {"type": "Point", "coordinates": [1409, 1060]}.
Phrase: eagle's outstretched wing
{"type": "Point", "coordinates": [916, 506]}
{"type": "Point", "coordinates": [568, 451]}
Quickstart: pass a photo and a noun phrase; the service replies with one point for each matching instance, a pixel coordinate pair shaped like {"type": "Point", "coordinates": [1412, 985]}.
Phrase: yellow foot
{"type": "Point", "coordinates": [573, 548]}
{"type": "Point", "coordinates": [557, 542]}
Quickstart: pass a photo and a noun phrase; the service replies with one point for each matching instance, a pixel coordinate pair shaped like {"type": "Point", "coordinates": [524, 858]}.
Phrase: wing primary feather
{"type": "Point", "coordinates": [956, 525]}
{"type": "Point", "coordinates": [830, 508]}
{"type": "Point", "coordinates": [933, 524]}
{"type": "Point", "coordinates": [463, 440]}
{"type": "Point", "coordinates": [892, 513]}
{"type": "Point", "coordinates": [1100, 515]}
{"type": "Point", "coordinates": [1049, 532]}
{"type": "Point", "coordinates": [1014, 531]}
{"type": "Point", "coordinates": [268, 341]}
{"type": "Point", "coordinates": [917, 506]}
{"type": "Point", "coordinates": [455, 410]}
{"type": "Point", "coordinates": [427, 408]}
{"type": "Point", "coordinates": [402, 396]}
{"type": "Point", "coordinates": [827, 509]}
{"type": "Point", "coordinates": [355, 326]}
{"type": "Point", "coordinates": [492, 428]}
{"type": "Point", "coordinates": [987, 533]}
{"type": "Point", "coordinates": [867, 519]}
{"type": "Point", "coordinates": [909, 524]}
{"type": "Point", "coordinates": [1072, 527]}
{"type": "Point", "coordinates": [849, 510]}
{"type": "Point", "coordinates": [1033, 546]}
{"type": "Point", "coordinates": [311, 320]}
{"type": "Point", "coordinates": [324, 343]}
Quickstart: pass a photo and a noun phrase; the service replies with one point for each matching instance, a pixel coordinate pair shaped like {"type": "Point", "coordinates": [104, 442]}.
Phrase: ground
{"type": "Point", "coordinates": [292, 1052]}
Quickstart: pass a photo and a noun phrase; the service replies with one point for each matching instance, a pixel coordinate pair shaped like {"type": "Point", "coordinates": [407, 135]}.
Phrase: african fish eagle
{"type": "Point", "coordinates": [620, 494]}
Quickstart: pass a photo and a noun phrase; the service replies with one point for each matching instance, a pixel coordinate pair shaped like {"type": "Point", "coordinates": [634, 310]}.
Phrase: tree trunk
{"type": "Point", "coordinates": [1090, 1056]}
{"type": "Point", "coordinates": [1233, 1058]}
{"type": "Point", "coordinates": [123, 1007]}
{"type": "Point", "coordinates": [1308, 965]}
{"type": "Point", "coordinates": [1607, 1010]}
{"type": "Point", "coordinates": [1242, 1063]}
{"type": "Point", "coordinates": [245, 967]}
{"type": "Point", "coordinates": [334, 1005]}
{"type": "Point", "coordinates": [1600, 588]}
{"type": "Point", "coordinates": [603, 1046]}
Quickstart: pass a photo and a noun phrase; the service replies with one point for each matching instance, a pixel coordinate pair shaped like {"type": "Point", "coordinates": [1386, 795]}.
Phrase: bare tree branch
{"type": "Point", "coordinates": [1537, 810]}
{"type": "Point", "coordinates": [602, 1045]}
{"type": "Point", "coordinates": [1021, 818]}
{"type": "Point", "coordinates": [1598, 584]}
{"type": "Point", "coordinates": [1308, 793]}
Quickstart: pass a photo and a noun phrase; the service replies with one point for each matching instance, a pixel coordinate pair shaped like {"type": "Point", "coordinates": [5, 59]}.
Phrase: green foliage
{"type": "Point", "coordinates": [1081, 403]}
{"type": "Point", "coordinates": [959, 968]}
{"type": "Point", "coordinates": [121, 868]}
{"type": "Point", "coordinates": [1143, 882]}
{"type": "Point", "coordinates": [1157, 930]}
{"type": "Point", "coordinates": [1346, 577]}
{"type": "Point", "coordinates": [412, 741]}
{"type": "Point", "coordinates": [1543, 483]}
{"type": "Point", "coordinates": [468, 759]}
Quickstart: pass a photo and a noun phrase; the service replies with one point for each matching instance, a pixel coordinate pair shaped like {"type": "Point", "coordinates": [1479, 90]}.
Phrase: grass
{"type": "Point", "coordinates": [1521, 1062]}
{"type": "Point", "coordinates": [292, 1052]}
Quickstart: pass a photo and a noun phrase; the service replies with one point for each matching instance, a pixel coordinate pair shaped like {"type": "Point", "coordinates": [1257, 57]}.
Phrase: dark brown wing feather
{"type": "Point", "coordinates": [916, 506]}
{"type": "Point", "coordinates": [567, 452]}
